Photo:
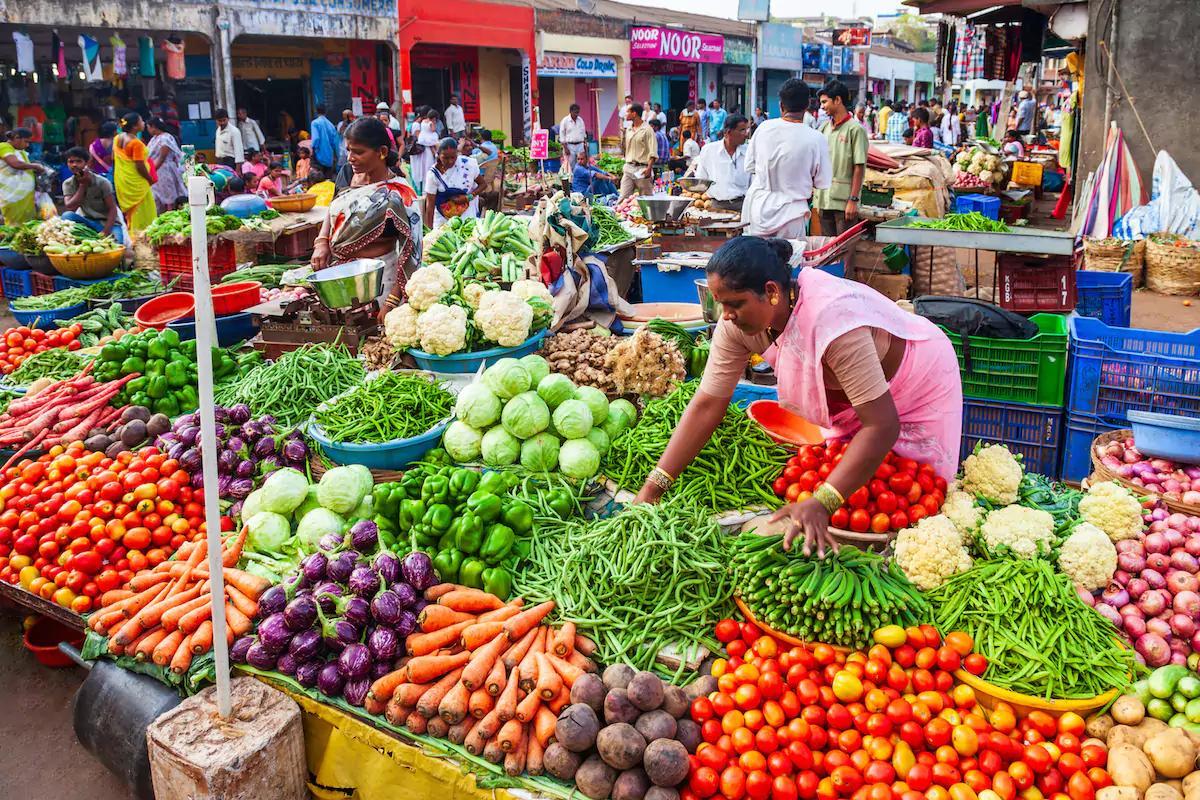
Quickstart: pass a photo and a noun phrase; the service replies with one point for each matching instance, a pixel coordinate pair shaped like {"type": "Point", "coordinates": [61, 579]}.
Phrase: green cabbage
{"type": "Point", "coordinates": [572, 419]}
{"type": "Point", "coordinates": [462, 442]}
{"type": "Point", "coordinates": [316, 524]}
{"type": "Point", "coordinates": [366, 479]}
{"type": "Point", "coordinates": [507, 378]}
{"type": "Point", "coordinates": [365, 509]}
{"type": "Point", "coordinates": [599, 440]}
{"type": "Point", "coordinates": [267, 532]}
{"type": "Point", "coordinates": [341, 489]}
{"type": "Point", "coordinates": [555, 388]}
{"type": "Point", "coordinates": [500, 448]}
{"type": "Point", "coordinates": [525, 415]}
{"type": "Point", "coordinates": [578, 458]}
{"type": "Point", "coordinates": [310, 502]}
{"type": "Point", "coordinates": [540, 453]}
{"type": "Point", "coordinates": [596, 402]}
{"type": "Point", "coordinates": [478, 406]}
{"type": "Point", "coordinates": [252, 504]}
{"type": "Point", "coordinates": [282, 491]}
{"type": "Point", "coordinates": [537, 367]}
{"type": "Point", "coordinates": [621, 416]}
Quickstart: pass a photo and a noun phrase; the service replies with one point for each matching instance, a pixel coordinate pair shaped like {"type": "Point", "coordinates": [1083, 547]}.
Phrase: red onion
{"type": "Point", "coordinates": [1196, 641]}
{"type": "Point", "coordinates": [1192, 544]}
{"type": "Point", "coordinates": [1182, 582]}
{"type": "Point", "coordinates": [1162, 465]}
{"type": "Point", "coordinates": [1131, 562]}
{"type": "Point", "coordinates": [1179, 658]}
{"type": "Point", "coordinates": [1156, 543]}
{"type": "Point", "coordinates": [1158, 513]}
{"type": "Point", "coordinates": [1134, 626]}
{"type": "Point", "coordinates": [1183, 560]}
{"type": "Point", "coordinates": [1127, 609]}
{"type": "Point", "coordinates": [1183, 625]}
{"type": "Point", "coordinates": [1154, 649]}
{"type": "Point", "coordinates": [1154, 578]}
{"type": "Point", "coordinates": [1177, 521]}
{"type": "Point", "coordinates": [1192, 472]}
{"type": "Point", "coordinates": [1152, 603]}
{"type": "Point", "coordinates": [1158, 561]}
{"type": "Point", "coordinates": [1192, 497]}
{"type": "Point", "coordinates": [1131, 546]}
{"type": "Point", "coordinates": [1158, 526]}
{"type": "Point", "coordinates": [1174, 537]}
{"type": "Point", "coordinates": [1115, 595]}
{"type": "Point", "coordinates": [1121, 577]}
{"type": "Point", "coordinates": [1136, 588]}
{"type": "Point", "coordinates": [1193, 523]}
{"type": "Point", "coordinates": [1085, 595]}
{"type": "Point", "coordinates": [1109, 613]}
{"type": "Point", "coordinates": [1187, 603]}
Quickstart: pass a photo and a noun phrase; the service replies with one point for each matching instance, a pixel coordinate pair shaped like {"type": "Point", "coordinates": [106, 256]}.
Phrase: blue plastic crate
{"type": "Point", "coordinates": [1114, 370]}
{"type": "Point", "coordinates": [1032, 431]}
{"type": "Point", "coordinates": [746, 393]}
{"type": "Point", "coordinates": [16, 283]}
{"type": "Point", "coordinates": [231, 328]}
{"type": "Point", "coordinates": [1081, 431]}
{"type": "Point", "coordinates": [985, 205]}
{"type": "Point", "coordinates": [1107, 296]}
{"type": "Point", "coordinates": [670, 285]}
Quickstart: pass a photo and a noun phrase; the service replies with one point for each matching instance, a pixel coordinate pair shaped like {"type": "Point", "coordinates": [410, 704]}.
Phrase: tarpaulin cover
{"type": "Point", "coordinates": [1174, 205]}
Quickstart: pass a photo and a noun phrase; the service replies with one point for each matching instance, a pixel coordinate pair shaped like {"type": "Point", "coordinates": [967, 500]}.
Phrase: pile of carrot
{"type": "Point", "coordinates": [485, 674]}
{"type": "Point", "coordinates": [164, 614]}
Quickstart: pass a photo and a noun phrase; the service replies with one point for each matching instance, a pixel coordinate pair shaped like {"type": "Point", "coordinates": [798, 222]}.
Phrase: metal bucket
{"type": "Point", "coordinates": [348, 285]}
{"type": "Point", "coordinates": [708, 304]}
{"type": "Point", "coordinates": [662, 207]}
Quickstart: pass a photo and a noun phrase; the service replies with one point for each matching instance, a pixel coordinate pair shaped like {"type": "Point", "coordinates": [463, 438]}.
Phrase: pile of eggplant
{"type": "Point", "coordinates": [340, 622]}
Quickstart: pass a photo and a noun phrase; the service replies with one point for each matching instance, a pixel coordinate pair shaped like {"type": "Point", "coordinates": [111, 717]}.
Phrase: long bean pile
{"type": "Point", "coordinates": [646, 577]}
{"type": "Point", "coordinates": [733, 470]}
{"type": "Point", "coordinates": [609, 229]}
{"type": "Point", "coordinates": [57, 364]}
{"type": "Point", "coordinates": [296, 383]}
{"type": "Point", "coordinates": [974, 221]}
{"type": "Point", "coordinates": [1038, 636]}
{"type": "Point", "coordinates": [390, 407]}
{"type": "Point", "coordinates": [839, 599]}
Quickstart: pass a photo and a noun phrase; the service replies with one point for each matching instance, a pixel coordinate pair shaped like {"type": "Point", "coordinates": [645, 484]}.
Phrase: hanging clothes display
{"type": "Point", "coordinates": [92, 69]}
{"type": "Point", "coordinates": [24, 52]}
{"type": "Point", "coordinates": [120, 68]}
{"type": "Point", "coordinates": [969, 48]}
{"type": "Point", "coordinates": [146, 56]}
{"type": "Point", "coordinates": [58, 52]}
{"type": "Point", "coordinates": [175, 67]}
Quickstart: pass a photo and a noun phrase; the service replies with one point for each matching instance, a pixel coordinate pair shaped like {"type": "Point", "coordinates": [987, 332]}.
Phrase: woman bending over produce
{"type": "Point", "coordinates": [847, 359]}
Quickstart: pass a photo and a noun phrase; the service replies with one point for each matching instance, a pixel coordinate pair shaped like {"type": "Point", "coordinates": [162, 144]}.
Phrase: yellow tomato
{"type": "Point", "coordinates": [847, 687]}
{"type": "Point", "coordinates": [1032, 793]}
{"type": "Point", "coordinates": [960, 791]}
{"type": "Point", "coordinates": [903, 759]}
{"type": "Point", "coordinates": [966, 742]}
{"type": "Point", "coordinates": [720, 667]}
{"type": "Point", "coordinates": [964, 696]}
{"type": "Point", "coordinates": [19, 562]}
{"type": "Point", "coordinates": [766, 647]}
{"type": "Point", "coordinates": [63, 597]}
{"type": "Point", "coordinates": [890, 636]}
{"type": "Point", "coordinates": [26, 575]}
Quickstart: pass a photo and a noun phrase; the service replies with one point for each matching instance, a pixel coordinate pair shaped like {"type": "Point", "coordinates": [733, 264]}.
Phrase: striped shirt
{"type": "Point", "coordinates": [896, 125]}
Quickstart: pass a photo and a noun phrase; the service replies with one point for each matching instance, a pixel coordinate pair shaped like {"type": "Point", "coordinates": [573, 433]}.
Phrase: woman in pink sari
{"type": "Point", "coordinates": [846, 358]}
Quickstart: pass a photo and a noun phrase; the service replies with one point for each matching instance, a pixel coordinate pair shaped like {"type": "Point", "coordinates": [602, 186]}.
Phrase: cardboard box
{"type": "Point", "coordinates": [893, 287]}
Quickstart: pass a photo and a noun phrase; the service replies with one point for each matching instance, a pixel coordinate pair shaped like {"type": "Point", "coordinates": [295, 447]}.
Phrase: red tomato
{"type": "Point", "coordinates": [860, 521]}
{"type": "Point", "coordinates": [1079, 787]}
{"type": "Point", "coordinates": [1093, 755]}
{"type": "Point", "coordinates": [704, 781]}
{"type": "Point", "coordinates": [1022, 775]}
{"type": "Point", "coordinates": [976, 664]}
{"type": "Point", "coordinates": [858, 498]}
{"type": "Point", "coordinates": [886, 502]}
{"type": "Point", "coordinates": [780, 486]}
{"type": "Point", "coordinates": [727, 630]}
{"type": "Point", "coordinates": [758, 785]}
{"type": "Point", "coordinates": [784, 788]}
{"type": "Point", "coordinates": [916, 514]}
{"type": "Point", "coordinates": [733, 783]}
{"type": "Point", "coordinates": [900, 483]}
{"type": "Point", "coordinates": [880, 523]}
{"type": "Point", "coordinates": [948, 658]}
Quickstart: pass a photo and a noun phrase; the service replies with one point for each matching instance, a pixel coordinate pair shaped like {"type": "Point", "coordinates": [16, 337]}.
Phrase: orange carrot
{"type": "Point", "coordinates": [543, 726]}
{"type": "Point", "coordinates": [127, 633]}
{"type": "Point", "coordinates": [506, 703]}
{"type": "Point", "coordinates": [470, 600]}
{"type": "Point", "coordinates": [183, 656]}
{"type": "Point", "coordinates": [577, 659]}
{"type": "Point", "coordinates": [113, 596]}
{"type": "Point", "coordinates": [514, 654]}
{"type": "Point", "coordinates": [482, 661]}
{"type": "Point", "coordinates": [240, 601]}
{"type": "Point", "coordinates": [485, 729]}
{"type": "Point", "coordinates": [453, 707]}
{"type": "Point", "coordinates": [145, 646]}
{"type": "Point", "coordinates": [231, 554]}
{"type": "Point", "coordinates": [567, 671]}
{"type": "Point", "coordinates": [151, 615]}
{"type": "Point", "coordinates": [416, 723]}
{"type": "Point", "coordinates": [170, 618]}
{"type": "Point", "coordinates": [163, 653]}
{"type": "Point", "coordinates": [534, 756]}
{"type": "Point", "coordinates": [434, 592]}
{"type": "Point", "coordinates": [396, 713]}
{"type": "Point", "coordinates": [437, 728]}
{"type": "Point", "coordinates": [383, 688]}
{"type": "Point", "coordinates": [493, 753]}
{"type": "Point", "coordinates": [131, 606]}
{"type": "Point", "coordinates": [426, 669]}
{"type": "Point", "coordinates": [583, 645]}
{"type": "Point", "coordinates": [144, 580]}
{"type": "Point", "coordinates": [103, 621]}
{"type": "Point", "coordinates": [250, 585]}
{"type": "Point", "coordinates": [458, 733]}
{"type": "Point", "coordinates": [563, 641]}
{"type": "Point", "coordinates": [373, 706]}
{"type": "Point", "coordinates": [560, 702]}
{"type": "Point", "coordinates": [428, 702]}
{"type": "Point", "coordinates": [496, 679]}
{"type": "Point", "coordinates": [510, 734]}
{"type": "Point", "coordinates": [527, 708]}
{"type": "Point", "coordinates": [238, 623]}
{"type": "Point", "coordinates": [514, 761]}
{"type": "Point", "coordinates": [549, 683]}
{"type": "Point", "coordinates": [421, 644]}
{"type": "Point", "coordinates": [479, 634]}
{"type": "Point", "coordinates": [528, 664]}
{"type": "Point", "coordinates": [202, 639]}
{"type": "Point", "coordinates": [409, 694]}
{"type": "Point", "coordinates": [500, 614]}
{"type": "Point", "coordinates": [434, 617]}
{"type": "Point", "coordinates": [190, 621]}
{"type": "Point", "coordinates": [528, 619]}
{"type": "Point", "coordinates": [480, 703]}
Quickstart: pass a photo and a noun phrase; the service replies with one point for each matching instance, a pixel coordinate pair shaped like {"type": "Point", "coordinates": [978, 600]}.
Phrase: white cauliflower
{"type": "Point", "coordinates": [1088, 557]}
{"type": "Point", "coordinates": [504, 318]}
{"type": "Point", "coordinates": [986, 176]}
{"type": "Point", "coordinates": [1113, 509]}
{"type": "Point", "coordinates": [400, 326]}
{"type": "Point", "coordinates": [992, 474]}
{"type": "Point", "coordinates": [1027, 532]}
{"type": "Point", "coordinates": [443, 329]}
{"type": "Point", "coordinates": [961, 509]}
{"type": "Point", "coordinates": [527, 289]}
{"type": "Point", "coordinates": [973, 168]}
{"type": "Point", "coordinates": [931, 552]}
{"type": "Point", "coordinates": [427, 285]}
{"type": "Point", "coordinates": [473, 293]}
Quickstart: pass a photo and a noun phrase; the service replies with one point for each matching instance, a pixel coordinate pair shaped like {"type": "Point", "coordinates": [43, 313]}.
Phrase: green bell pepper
{"type": "Point", "coordinates": [446, 541]}
{"type": "Point", "coordinates": [169, 337]}
{"type": "Point", "coordinates": [177, 376]}
{"type": "Point", "coordinates": [187, 398]}
{"type": "Point", "coordinates": [493, 483]}
{"type": "Point", "coordinates": [448, 564]}
{"type": "Point", "coordinates": [387, 531]}
{"type": "Point", "coordinates": [188, 348]}
{"type": "Point", "coordinates": [157, 387]}
{"type": "Point", "coordinates": [156, 367]}
{"type": "Point", "coordinates": [435, 489]}
{"type": "Point", "coordinates": [166, 405]}
{"type": "Point", "coordinates": [411, 512]}
{"type": "Point", "coordinates": [470, 533]}
{"type": "Point", "coordinates": [387, 500]}
{"type": "Point", "coordinates": [518, 515]}
{"type": "Point", "coordinates": [463, 482]}
{"type": "Point", "coordinates": [438, 516]}
{"type": "Point", "coordinates": [113, 352]}
{"type": "Point", "coordinates": [140, 399]}
{"type": "Point", "coordinates": [132, 364]}
{"type": "Point", "coordinates": [157, 348]}
{"type": "Point", "coordinates": [497, 581]}
{"type": "Point", "coordinates": [486, 505]}
{"type": "Point", "coordinates": [561, 502]}
{"type": "Point", "coordinates": [471, 572]}
{"type": "Point", "coordinates": [497, 544]}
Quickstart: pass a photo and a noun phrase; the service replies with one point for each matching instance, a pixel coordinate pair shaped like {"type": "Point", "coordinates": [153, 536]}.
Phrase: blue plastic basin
{"type": "Point", "coordinates": [231, 328]}
{"type": "Point", "coordinates": [44, 319]}
{"type": "Point", "coordinates": [1167, 436]}
{"type": "Point", "coordinates": [384, 455]}
{"type": "Point", "coordinates": [470, 362]}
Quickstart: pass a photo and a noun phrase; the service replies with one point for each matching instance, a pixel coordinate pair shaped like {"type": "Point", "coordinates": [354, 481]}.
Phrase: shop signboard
{"type": "Point", "coordinates": [852, 37]}
{"type": "Point", "coordinates": [569, 65]}
{"type": "Point", "coordinates": [671, 44]}
{"type": "Point", "coordinates": [361, 8]}
{"type": "Point", "coordinates": [754, 10]}
{"type": "Point", "coordinates": [780, 46]}
{"type": "Point", "coordinates": [539, 144]}
{"type": "Point", "coordinates": [811, 57]}
{"type": "Point", "coordinates": [739, 51]}
{"type": "Point", "coordinates": [835, 67]}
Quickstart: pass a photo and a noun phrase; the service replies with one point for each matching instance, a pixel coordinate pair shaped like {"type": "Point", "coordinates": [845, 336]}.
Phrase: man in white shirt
{"type": "Point", "coordinates": [384, 112]}
{"type": "Point", "coordinates": [625, 123]}
{"type": "Point", "coordinates": [787, 160]}
{"type": "Point", "coordinates": [252, 135]}
{"type": "Point", "coordinates": [229, 149]}
{"type": "Point", "coordinates": [660, 115]}
{"type": "Point", "coordinates": [456, 123]}
{"type": "Point", "coordinates": [724, 161]}
{"type": "Point", "coordinates": [690, 147]}
{"type": "Point", "coordinates": [648, 111]}
{"type": "Point", "coordinates": [572, 133]}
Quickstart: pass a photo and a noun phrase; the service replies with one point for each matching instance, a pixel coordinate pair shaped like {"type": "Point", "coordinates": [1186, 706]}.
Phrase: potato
{"type": "Point", "coordinates": [632, 784]}
{"type": "Point", "coordinates": [618, 676]}
{"type": "Point", "coordinates": [590, 690]}
{"type": "Point", "coordinates": [645, 691]}
{"type": "Point", "coordinates": [675, 702]}
{"type": "Point", "coordinates": [561, 762]}
{"type": "Point", "coordinates": [595, 778]}
{"type": "Point", "coordinates": [577, 728]}
{"type": "Point", "coordinates": [1128, 710]}
{"type": "Point", "coordinates": [1191, 786]}
{"type": "Point", "coordinates": [661, 793]}
{"type": "Point", "coordinates": [1174, 783]}
{"type": "Point", "coordinates": [1118, 793]}
{"type": "Point", "coordinates": [657, 724]}
{"type": "Point", "coordinates": [666, 762]}
{"type": "Point", "coordinates": [701, 687]}
{"type": "Point", "coordinates": [621, 746]}
{"type": "Point", "coordinates": [1099, 725]}
{"type": "Point", "coordinates": [617, 707]}
{"type": "Point", "coordinates": [1134, 735]}
{"type": "Point", "coordinates": [687, 733]}
{"type": "Point", "coordinates": [1129, 766]}
{"type": "Point", "coordinates": [1171, 752]}
{"type": "Point", "coordinates": [1162, 791]}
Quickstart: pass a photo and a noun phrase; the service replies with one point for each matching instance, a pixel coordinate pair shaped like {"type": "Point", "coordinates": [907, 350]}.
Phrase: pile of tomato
{"type": "Point", "coordinates": [18, 344]}
{"type": "Point", "coordinates": [901, 492]}
{"type": "Point", "coordinates": [76, 524]}
{"type": "Point", "coordinates": [888, 724]}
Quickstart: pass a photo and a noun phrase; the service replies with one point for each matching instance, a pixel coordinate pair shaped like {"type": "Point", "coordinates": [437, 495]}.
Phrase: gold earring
{"type": "Point", "coordinates": [774, 300]}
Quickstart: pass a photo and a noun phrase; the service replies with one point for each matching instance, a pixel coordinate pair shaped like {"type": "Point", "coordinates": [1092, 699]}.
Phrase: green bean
{"type": "Point", "coordinates": [389, 407]}
{"type": "Point", "coordinates": [45, 302]}
{"type": "Point", "coordinates": [291, 387]}
{"type": "Point", "coordinates": [57, 364]}
{"type": "Point", "coordinates": [974, 222]}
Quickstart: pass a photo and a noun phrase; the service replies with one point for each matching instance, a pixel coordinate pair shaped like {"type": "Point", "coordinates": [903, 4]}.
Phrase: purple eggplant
{"type": "Point", "coordinates": [388, 567]}
{"type": "Point", "coordinates": [264, 446]}
{"type": "Point", "coordinates": [306, 673]}
{"type": "Point", "coordinates": [286, 664]}
{"type": "Point", "coordinates": [305, 645]}
{"type": "Point", "coordinates": [189, 434]}
{"type": "Point", "coordinates": [237, 446]}
{"type": "Point", "coordinates": [237, 653]}
{"type": "Point", "coordinates": [355, 691]}
{"type": "Point", "coordinates": [363, 582]}
{"type": "Point", "coordinates": [235, 510]}
{"type": "Point", "coordinates": [272, 601]}
{"type": "Point", "coordinates": [274, 634]}
{"type": "Point", "coordinates": [197, 478]}
{"type": "Point", "coordinates": [269, 464]}
{"type": "Point", "coordinates": [176, 450]}
{"type": "Point", "coordinates": [419, 606]}
{"type": "Point", "coordinates": [330, 680]}
{"type": "Point", "coordinates": [227, 462]}
{"type": "Point", "coordinates": [418, 571]}
{"type": "Point", "coordinates": [386, 607]}
{"type": "Point", "coordinates": [240, 487]}
{"type": "Point", "coordinates": [364, 535]}
{"type": "Point", "coordinates": [407, 624]}
{"type": "Point", "coordinates": [331, 542]}
{"type": "Point", "coordinates": [355, 609]}
{"type": "Point", "coordinates": [223, 484]}
{"type": "Point", "coordinates": [191, 461]}
{"type": "Point", "coordinates": [383, 643]}
{"type": "Point", "coordinates": [245, 469]}
{"type": "Point", "coordinates": [326, 594]}
{"type": "Point", "coordinates": [340, 568]}
{"type": "Point", "coordinates": [379, 669]}
{"type": "Point", "coordinates": [313, 567]}
{"type": "Point", "coordinates": [260, 657]}
{"type": "Point", "coordinates": [188, 419]}
{"type": "Point", "coordinates": [301, 613]}
{"type": "Point", "coordinates": [355, 661]}
{"type": "Point", "coordinates": [341, 633]}
{"type": "Point", "coordinates": [295, 451]}
{"type": "Point", "coordinates": [239, 413]}
{"type": "Point", "coordinates": [219, 429]}
{"type": "Point", "coordinates": [406, 594]}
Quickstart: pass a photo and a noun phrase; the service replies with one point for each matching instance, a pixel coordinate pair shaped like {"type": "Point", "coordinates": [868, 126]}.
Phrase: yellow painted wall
{"type": "Point", "coordinates": [494, 103]}
{"type": "Point", "coordinates": [564, 95]}
{"type": "Point", "coordinates": [591, 45]}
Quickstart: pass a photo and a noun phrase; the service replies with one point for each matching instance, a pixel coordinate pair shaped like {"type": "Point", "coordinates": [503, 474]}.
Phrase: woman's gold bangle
{"type": "Point", "coordinates": [829, 497]}
{"type": "Point", "coordinates": [660, 478]}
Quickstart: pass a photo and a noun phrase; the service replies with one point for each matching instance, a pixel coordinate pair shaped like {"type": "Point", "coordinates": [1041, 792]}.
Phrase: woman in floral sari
{"type": "Point", "coordinates": [131, 174]}
{"type": "Point", "coordinates": [168, 163]}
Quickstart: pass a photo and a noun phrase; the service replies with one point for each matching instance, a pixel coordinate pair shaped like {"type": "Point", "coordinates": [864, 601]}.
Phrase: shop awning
{"type": "Point", "coordinates": [957, 7]}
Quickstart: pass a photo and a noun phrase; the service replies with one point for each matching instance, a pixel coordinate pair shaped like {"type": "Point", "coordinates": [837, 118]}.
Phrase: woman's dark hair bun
{"type": "Point", "coordinates": [749, 263]}
{"type": "Point", "coordinates": [782, 248]}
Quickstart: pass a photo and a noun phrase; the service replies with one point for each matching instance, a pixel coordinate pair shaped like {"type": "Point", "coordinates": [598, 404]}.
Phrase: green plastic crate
{"type": "Point", "coordinates": [1017, 370]}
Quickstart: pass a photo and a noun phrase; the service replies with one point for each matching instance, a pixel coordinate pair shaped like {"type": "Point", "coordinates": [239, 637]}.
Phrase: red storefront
{"type": "Point", "coordinates": [483, 52]}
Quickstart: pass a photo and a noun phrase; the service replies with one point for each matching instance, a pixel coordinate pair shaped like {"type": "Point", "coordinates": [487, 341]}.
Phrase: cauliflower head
{"type": "Point", "coordinates": [986, 177]}
{"type": "Point", "coordinates": [1088, 557]}
{"type": "Point", "coordinates": [931, 552]}
{"type": "Point", "coordinates": [504, 318]}
{"type": "Point", "coordinates": [473, 293]}
{"type": "Point", "coordinates": [400, 326]}
{"type": "Point", "coordinates": [1027, 532]}
{"type": "Point", "coordinates": [427, 285]}
{"type": "Point", "coordinates": [961, 509]}
{"type": "Point", "coordinates": [993, 474]}
{"type": "Point", "coordinates": [443, 329]}
{"type": "Point", "coordinates": [526, 289]}
{"type": "Point", "coordinates": [1113, 509]}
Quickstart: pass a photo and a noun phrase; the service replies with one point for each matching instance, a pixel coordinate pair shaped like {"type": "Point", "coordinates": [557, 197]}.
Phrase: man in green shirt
{"type": "Point", "coordinates": [838, 205]}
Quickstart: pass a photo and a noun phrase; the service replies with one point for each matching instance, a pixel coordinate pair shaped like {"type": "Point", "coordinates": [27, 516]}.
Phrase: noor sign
{"type": "Point", "coordinates": [675, 45]}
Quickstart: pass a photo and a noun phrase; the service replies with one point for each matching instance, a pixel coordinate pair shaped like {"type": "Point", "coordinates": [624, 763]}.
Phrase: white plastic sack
{"type": "Point", "coordinates": [1174, 205]}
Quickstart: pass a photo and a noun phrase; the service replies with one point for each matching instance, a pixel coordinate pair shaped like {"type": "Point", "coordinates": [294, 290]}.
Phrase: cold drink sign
{"type": "Point", "coordinates": [675, 45]}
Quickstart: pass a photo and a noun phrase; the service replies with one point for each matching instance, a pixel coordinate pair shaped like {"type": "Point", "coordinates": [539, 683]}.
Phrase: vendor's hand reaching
{"type": "Point", "coordinates": [808, 517]}
{"type": "Point", "coordinates": [320, 256]}
{"type": "Point", "coordinates": [649, 493]}
{"type": "Point", "coordinates": [851, 211]}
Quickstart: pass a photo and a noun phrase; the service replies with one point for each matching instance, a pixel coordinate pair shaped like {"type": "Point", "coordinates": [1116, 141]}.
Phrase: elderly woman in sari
{"type": "Point", "coordinates": [168, 162]}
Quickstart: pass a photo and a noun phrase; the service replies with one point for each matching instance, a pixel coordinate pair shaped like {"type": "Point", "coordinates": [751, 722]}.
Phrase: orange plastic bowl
{"type": "Point", "coordinates": [782, 425]}
{"type": "Point", "coordinates": [42, 640]}
{"type": "Point", "coordinates": [157, 312]}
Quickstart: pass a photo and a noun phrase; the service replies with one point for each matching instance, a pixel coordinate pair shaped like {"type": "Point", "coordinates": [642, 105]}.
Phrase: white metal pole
{"type": "Point", "coordinates": [199, 192]}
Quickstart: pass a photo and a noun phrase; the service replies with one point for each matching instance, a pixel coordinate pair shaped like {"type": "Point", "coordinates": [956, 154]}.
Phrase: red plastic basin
{"type": "Point", "coordinates": [157, 312]}
{"type": "Point", "coordinates": [782, 425]}
{"type": "Point", "coordinates": [231, 298]}
{"type": "Point", "coordinates": [42, 640]}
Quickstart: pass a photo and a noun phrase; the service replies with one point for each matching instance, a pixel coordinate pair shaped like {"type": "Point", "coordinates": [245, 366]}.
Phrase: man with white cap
{"type": "Point", "coordinates": [1026, 111]}
{"type": "Point", "coordinates": [384, 112]}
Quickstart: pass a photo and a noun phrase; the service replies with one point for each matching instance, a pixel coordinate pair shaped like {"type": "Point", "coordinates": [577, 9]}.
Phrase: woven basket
{"type": "Point", "coordinates": [1103, 473]}
{"type": "Point", "coordinates": [1116, 255]}
{"type": "Point", "coordinates": [1172, 269]}
{"type": "Point", "coordinates": [318, 468]}
{"type": "Point", "coordinates": [88, 266]}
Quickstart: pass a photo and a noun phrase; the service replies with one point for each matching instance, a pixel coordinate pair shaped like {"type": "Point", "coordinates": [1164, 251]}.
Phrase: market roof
{"type": "Point", "coordinates": [650, 16]}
